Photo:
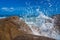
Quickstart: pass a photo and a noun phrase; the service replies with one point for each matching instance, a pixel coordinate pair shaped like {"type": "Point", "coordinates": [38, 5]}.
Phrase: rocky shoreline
{"type": "Point", "coordinates": [12, 28]}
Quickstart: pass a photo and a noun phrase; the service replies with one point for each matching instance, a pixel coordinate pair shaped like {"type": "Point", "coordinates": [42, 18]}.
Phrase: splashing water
{"type": "Point", "coordinates": [42, 25]}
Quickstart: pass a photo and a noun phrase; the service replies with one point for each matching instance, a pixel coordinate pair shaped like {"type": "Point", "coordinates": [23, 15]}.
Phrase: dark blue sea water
{"type": "Point", "coordinates": [24, 7]}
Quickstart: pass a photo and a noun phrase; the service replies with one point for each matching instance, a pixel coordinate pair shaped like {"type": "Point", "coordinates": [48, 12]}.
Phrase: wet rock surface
{"type": "Point", "coordinates": [31, 37]}
{"type": "Point", "coordinates": [57, 23]}
{"type": "Point", "coordinates": [12, 28]}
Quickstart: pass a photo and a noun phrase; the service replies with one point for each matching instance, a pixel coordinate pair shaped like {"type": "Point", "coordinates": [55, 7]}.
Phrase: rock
{"type": "Point", "coordinates": [9, 28]}
{"type": "Point", "coordinates": [13, 28]}
{"type": "Point", "coordinates": [31, 37]}
{"type": "Point", "coordinates": [57, 23]}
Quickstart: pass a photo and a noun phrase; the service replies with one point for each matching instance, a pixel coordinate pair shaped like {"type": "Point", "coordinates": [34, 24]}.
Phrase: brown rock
{"type": "Point", "coordinates": [12, 28]}
{"type": "Point", "coordinates": [9, 28]}
{"type": "Point", "coordinates": [31, 37]}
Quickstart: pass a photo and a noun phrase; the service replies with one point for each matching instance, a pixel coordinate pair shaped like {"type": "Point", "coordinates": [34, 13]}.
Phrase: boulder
{"type": "Point", "coordinates": [57, 22]}
{"type": "Point", "coordinates": [13, 28]}
{"type": "Point", "coordinates": [31, 37]}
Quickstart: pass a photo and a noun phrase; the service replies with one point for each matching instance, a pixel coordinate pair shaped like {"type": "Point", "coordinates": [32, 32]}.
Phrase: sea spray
{"type": "Point", "coordinates": [41, 25]}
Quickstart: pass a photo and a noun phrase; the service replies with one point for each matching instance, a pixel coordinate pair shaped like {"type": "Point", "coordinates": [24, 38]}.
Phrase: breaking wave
{"type": "Point", "coordinates": [42, 25]}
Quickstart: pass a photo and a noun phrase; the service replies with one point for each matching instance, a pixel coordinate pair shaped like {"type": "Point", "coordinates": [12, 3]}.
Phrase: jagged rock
{"type": "Point", "coordinates": [31, 37]}
{"type": "Point", "coordinates": [57, 22]}
{"type": "Point", "coordinates": [9, 28]}
{"type": "Point", "coordinates": [13, 28]}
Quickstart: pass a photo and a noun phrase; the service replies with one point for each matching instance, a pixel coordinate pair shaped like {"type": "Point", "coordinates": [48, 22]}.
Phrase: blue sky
{"type": "Point", "coordinates": [18, 7]}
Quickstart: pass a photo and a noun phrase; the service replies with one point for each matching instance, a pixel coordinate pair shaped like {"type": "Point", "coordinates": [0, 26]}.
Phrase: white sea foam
{"type": "Point", "coordinates": [40, 26]}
